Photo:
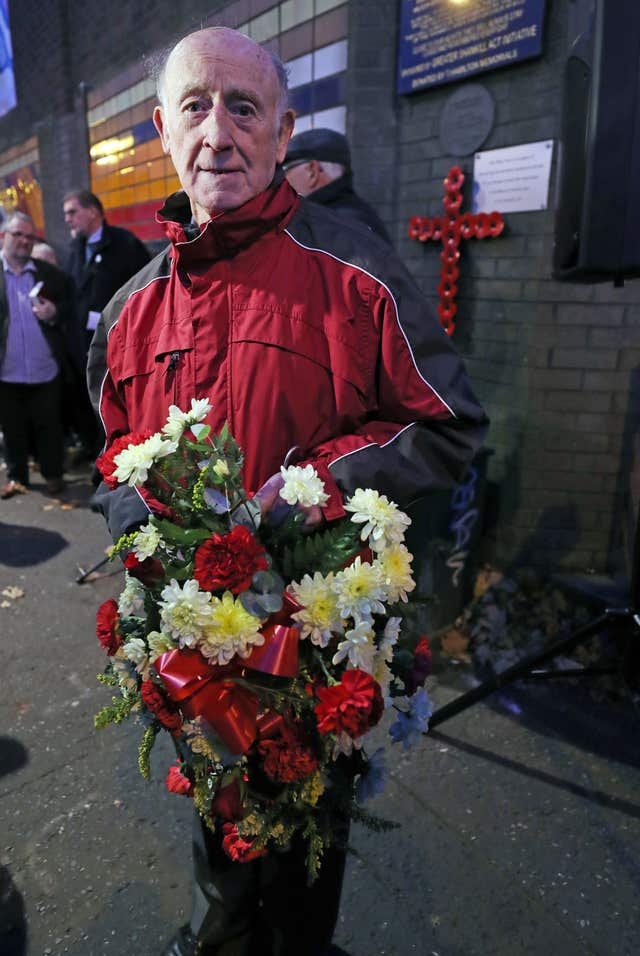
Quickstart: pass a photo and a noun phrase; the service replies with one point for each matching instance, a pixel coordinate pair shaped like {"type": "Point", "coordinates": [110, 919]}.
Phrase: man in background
{"type": "Point", "coordinates": [35, 302]}
{"type": "Point", "coordinates": [101, 257]}
{"type": "Point", "coordinates": [299, 335]}
{"type": "Point", "coordinates": [318, 166]}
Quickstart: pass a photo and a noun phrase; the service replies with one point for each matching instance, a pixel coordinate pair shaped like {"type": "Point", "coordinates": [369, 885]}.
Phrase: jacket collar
{"type": "Point", "coordinates": [228, 232]}
{"type": "Point", "coordinates": [336, 189]}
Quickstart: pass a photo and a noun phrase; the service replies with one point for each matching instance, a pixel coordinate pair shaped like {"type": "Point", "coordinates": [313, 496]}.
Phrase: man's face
{"type": "Point", "coordinates": [220, 120]}
{"type": "Point", "coordinates": [19, 237]}
{"type": "Point", "coordinates": [79, 219]}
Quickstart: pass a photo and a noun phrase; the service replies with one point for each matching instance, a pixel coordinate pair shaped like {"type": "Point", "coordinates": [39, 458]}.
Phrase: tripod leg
{"type": "Point", "coordinates": [85, 574]}
{"type": "Point", "coordinates": [521, 669]}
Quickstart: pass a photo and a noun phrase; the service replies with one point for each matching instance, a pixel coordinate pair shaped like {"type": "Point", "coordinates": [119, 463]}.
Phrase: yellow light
{"type": "Point", "coordinates": [127, 169]}
{"type": "Point", "coordinates": [108, 147]}
{"type": "Point", "coordinates": [106, 161]}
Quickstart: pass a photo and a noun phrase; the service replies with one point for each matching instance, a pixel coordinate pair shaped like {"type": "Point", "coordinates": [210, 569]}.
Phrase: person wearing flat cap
{"type": "Point", "coordinates": [318, 166]}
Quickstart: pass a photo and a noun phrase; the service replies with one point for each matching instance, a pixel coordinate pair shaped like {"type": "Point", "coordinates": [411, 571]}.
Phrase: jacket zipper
{"type": "Point", "coordinates": [171, 367]}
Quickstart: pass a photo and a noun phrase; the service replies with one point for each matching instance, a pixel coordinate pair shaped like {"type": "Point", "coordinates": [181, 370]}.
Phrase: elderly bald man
{"type": "Point", "coordinates": [311, 339]}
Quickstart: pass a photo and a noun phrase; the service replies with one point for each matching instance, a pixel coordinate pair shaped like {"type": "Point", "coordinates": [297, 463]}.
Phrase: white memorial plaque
{"type": "Point", "coordinates": [514, 179]}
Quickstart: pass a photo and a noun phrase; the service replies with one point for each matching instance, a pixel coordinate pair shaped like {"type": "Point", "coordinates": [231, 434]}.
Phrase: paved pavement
{"type": "Point", "coordinates": [520, 818]}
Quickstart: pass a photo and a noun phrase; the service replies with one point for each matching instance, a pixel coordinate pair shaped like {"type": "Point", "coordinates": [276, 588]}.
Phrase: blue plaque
{"type": "Point", "coordinates": [442, 41]}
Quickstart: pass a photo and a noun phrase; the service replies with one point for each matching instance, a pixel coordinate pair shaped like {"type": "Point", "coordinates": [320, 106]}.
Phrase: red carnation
{"type": "Point", "coordinates": [106, 462]}
{"type": "Point", "coordinates": [229, 561]}
{"type": "Point", "coordinates": [420, 668]}
{"type": "Point", "coordinates": [177, 782]}
{"type": "Point", "coordinates": [288, 757]}
{"type": "Point", "coordinates": [161, 707]}
{"type": "Point", "coordinates": [352, 706]}
{"type": "Point", "coordinates": [147, 572]}
{"type": "Point", "coordinates": [107, 626]}
{"type": "Point", "coordinates": [236, 848]}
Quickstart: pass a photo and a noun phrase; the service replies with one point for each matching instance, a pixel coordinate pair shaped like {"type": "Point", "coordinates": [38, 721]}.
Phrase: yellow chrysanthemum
{"type": "Point", "coordinates": [231, 630]}
{"type": "Point", "coordinates": [395, 566]}
{"type": "Point", "coordinates": [320, 616]}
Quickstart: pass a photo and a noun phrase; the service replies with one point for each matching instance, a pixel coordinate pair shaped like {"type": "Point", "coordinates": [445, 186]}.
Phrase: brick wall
{"type": "Point", "coordinates": [554, 363]}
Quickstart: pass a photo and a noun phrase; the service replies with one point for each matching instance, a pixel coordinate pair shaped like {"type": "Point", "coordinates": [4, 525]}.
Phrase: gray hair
{"type": "Point", "coordinates": [17, 214]}
{"type": "Point", "coordinates": [156, 65]}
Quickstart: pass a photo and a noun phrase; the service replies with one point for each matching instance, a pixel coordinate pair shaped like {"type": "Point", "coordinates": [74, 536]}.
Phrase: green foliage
{"type": "Point", "coordinates": [145, 748]}
{"type": "Point", "coordinates": [124, 543]}
{"type": "Point", "coordinates": [109, 680]}
{"type": "Point", "coordinates": [324, 551]}
{"type": "Point", "coordinates": [316, 848]}
{"type": "Point", "coordinates": [182, 537]}
{"type": "Point", "coordinates": [115, 713]}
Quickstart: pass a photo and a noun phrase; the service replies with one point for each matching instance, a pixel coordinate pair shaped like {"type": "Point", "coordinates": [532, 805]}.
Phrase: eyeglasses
{"type": "Point", "coordinates": [22, 235]}
{"type": "Point", "coordinates": [292, 165]}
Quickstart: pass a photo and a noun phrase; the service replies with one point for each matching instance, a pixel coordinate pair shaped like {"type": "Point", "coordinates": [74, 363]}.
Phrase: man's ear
{"type": "Point", "coordinates": [158, 122]}
{"type": "Point", "coordinates": [313, 173]}
{"type": "Point", "coordinates": [287, 121]}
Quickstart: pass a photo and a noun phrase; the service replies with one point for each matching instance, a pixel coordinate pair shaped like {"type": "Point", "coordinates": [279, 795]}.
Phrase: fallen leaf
{"type": "Point", "coordinates": [48, 507]}
{"type": "Point", "coordinates": [455, 644]}
{"type": "Point", "coordinates": [5, 603]}
{"type": "Point", "coordinates": [487, 578]}
{"type": "Point", "coordinates": [67, 507]}
{"type": "Point", "coordinates": [13, 592]}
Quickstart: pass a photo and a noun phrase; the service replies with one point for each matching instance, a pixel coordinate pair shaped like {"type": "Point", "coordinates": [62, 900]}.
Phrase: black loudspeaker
{"type": "Point", "coordinates": [597, 225]}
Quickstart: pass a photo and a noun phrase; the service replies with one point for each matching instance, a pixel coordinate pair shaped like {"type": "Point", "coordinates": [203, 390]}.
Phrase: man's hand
{"type": "Point", "coordinates": [279, 510]}
{"type": "Point", "coordinates": [44, 310]}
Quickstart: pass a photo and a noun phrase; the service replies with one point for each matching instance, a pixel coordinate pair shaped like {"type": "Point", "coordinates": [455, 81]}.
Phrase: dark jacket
{"type": "Point", "coordinates": [303, 330]}
{"type": "Point", "coordinates": [340, 196]}
{"type": "Point", "coordinates": [117, 257]}
{"type": "Point", "coordinates": [59, 289]}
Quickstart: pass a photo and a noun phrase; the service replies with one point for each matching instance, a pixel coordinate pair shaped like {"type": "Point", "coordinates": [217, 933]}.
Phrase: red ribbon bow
{"type": "Point", "coordinates": [208, 690]}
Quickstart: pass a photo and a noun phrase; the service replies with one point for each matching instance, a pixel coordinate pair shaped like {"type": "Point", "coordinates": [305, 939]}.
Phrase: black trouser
{"type": "Point", "coordinates": [26, 411]}
{"type": "Point", "coordinates": [264, 907]}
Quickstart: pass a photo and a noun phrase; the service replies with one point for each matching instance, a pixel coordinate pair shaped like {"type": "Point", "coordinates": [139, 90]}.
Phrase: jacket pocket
{"type": "Point", "coordinates": [308, 345]}
{"type": "Point", "coordinates": [157, 373]}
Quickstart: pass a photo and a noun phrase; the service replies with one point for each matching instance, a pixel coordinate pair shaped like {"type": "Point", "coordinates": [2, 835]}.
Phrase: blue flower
{"type": "Point", "coordinates": [372, 781]}
{"type": "Point", "coordinates": [409, 726]}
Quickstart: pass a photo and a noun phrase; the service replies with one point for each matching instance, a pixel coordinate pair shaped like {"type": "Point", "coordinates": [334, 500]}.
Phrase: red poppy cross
{"type": "Point", "coordinates": [450, 229]}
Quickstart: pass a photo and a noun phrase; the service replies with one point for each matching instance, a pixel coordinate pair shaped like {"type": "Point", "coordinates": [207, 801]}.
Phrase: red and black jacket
{"type": "Point", "coordinates": [304, 333]}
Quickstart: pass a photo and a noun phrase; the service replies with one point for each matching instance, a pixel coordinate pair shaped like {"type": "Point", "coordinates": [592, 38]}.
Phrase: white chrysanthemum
{"type": "Point", "coordinates": [395, 565]}
{"type": "Point", "coordinates": [185, 612]}
{"type": "Point", "coordinates": [179, 420]}
{"type": "Point", "coordinates": [357, 648]}
{"type": "Point", "coordinates": [389, 638]}
{"type": "Point", "coordinates": [125, 673]}
{"type": "Point", "coordinates": [320, 616]}
{"type": "Point", "coordinates": [134, 462]}
{"type": "Point", "coordinates": [359, 590]}
{"type": "Point", "coordinates": [302, 486]}
{"type": "Point", "coordinates": [146, 542]}
{"type": "Point", "coordinates": [159, 643]}
{"type": "Point", "coordinates": [131, 600]}
{"type": "Point", "coordinates": [135, 650]}
{"type": "Point", "coordinates": [384, 523]}
{"type": "Point", "coordinates": [230, 630]}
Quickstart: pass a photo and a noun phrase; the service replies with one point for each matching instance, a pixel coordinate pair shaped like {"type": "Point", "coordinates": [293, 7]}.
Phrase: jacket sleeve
{"type": "Point", "coordinates": [426, 425]}
{"type": "Point", "coordinates": [123, 508]}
